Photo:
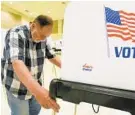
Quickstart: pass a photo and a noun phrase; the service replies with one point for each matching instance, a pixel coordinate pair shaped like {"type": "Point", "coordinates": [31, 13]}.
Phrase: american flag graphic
{"type": "Point", "coordinates": [120, 24]}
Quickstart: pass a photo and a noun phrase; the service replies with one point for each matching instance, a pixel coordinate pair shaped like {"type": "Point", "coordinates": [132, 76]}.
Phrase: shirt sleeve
{"type": "Point", "coordinates": [14, 49]}
{"type": "Point", "coordinates": [49, 49]}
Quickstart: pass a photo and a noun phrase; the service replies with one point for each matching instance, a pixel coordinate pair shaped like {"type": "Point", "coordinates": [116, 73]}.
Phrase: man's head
{"type": "Point", "coordinates": [41, 28]}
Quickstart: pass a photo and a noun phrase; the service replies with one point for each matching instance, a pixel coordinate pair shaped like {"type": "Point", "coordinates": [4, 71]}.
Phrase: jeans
{"type": "Point", "coordinates": [23, 107]}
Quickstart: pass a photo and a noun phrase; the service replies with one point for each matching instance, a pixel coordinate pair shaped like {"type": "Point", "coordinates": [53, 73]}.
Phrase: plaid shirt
{"type": "Point", "coordinates": [19, 46]}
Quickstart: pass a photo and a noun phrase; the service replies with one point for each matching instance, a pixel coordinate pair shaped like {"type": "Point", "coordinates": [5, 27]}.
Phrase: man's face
{"type": "Point", "coordinates": [40, 33]}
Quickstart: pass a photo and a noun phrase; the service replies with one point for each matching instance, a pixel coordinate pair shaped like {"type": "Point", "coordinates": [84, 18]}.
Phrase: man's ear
{"type": "Point", "coordinates": [32, 24]}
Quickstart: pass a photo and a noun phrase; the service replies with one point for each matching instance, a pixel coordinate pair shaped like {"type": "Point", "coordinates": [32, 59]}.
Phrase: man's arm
{"type": "Point", "coordinates": [56, 61]}
{"type": "Point", "coordinates": [41, 94]}
{"type": "Point", "coordinates": [50, 54]}
{"type": "Point", "coordinates": [25, 77]}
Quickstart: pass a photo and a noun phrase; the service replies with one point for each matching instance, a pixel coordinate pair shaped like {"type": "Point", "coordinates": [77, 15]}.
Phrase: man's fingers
{"type": "Point", "coordinates": [51, 106]}
{"type": "Point", "coordinates": [55, 105]}
{"type": "Point", "coordinates": [46, 106]}
{"type": "Point", "coordinates": [50, 103]}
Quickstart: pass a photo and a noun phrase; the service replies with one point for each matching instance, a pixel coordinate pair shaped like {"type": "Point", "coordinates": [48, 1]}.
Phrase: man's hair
{"type": "Point", "coordinates": [43, 20]}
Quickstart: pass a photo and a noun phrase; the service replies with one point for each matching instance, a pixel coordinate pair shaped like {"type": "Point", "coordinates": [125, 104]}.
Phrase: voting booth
{"type": "Point", "coordinates": [98, 55]}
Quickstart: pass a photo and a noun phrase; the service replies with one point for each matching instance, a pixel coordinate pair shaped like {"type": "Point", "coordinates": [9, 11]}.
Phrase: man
{"type": "Point", "coordinates": [24, 53]}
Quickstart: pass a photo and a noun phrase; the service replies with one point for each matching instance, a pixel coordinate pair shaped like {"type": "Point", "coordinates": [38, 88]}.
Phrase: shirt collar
{"type": "Point", "coordinates": [29, 33]}
{"type": "Point", "coordinates": [30, 36]}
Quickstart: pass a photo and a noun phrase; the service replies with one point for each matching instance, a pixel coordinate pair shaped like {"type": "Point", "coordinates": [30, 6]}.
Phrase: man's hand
{"type": "Point", "coordinates": [44, 100]}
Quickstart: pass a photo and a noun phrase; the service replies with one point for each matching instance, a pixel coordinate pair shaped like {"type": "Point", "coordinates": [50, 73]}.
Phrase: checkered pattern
{"type": "Point", "coordinates": [19, 46]}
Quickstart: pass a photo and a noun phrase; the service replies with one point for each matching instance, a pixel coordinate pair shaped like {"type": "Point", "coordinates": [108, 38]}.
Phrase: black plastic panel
{"type": "Point", "coordinates": [78, 92]}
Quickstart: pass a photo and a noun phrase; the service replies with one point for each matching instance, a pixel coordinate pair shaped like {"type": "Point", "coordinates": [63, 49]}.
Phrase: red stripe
{"type": "Point", "coordinates": [130, 14]}
{"type": "Point", "coordinates": [119, 36]}
{"type": "Point", "coordinates": [122, 20]}
{"type": "Point", "coordinates": [118, 31]}
{"type": "Point", "coordinates": [127, 18]}
{"type": "Point", "coordinates": [120, 28]}
{"type": "Point", "coordinates": [129, 26]}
